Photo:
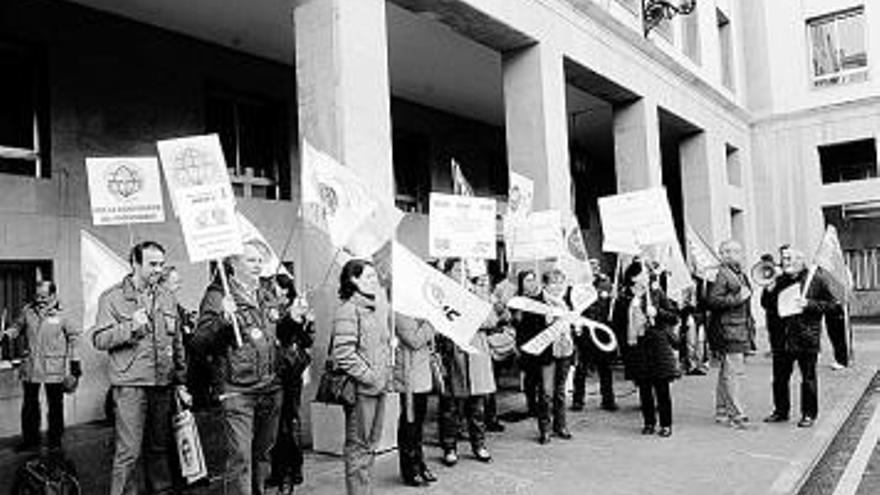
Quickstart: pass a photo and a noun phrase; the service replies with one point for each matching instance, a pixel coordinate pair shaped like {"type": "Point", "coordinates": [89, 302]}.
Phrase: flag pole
{"type": "Point", "coordinates": [614, 284]}
{"type": "Point", "coordinates": [225, 283]}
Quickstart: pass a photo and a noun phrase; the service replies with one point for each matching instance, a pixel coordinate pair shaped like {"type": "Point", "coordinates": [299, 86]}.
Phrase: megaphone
{"type": "Point", "coordinates": [765, 271]}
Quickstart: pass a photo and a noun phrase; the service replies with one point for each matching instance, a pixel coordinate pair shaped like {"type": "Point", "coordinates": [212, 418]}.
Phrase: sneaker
{"type": "Point", "coordinates": [450, 458]}
{"type": "Point", "coordinates": [665, 431]}
{"type": "Point", "coordinates": [482, 454]}
{"type": "Point", "coordinates": [806, 422]}
{"type": "Point", "coordinates": [837, 366]}
{"type": "Point", "coordinates": [776, 418]}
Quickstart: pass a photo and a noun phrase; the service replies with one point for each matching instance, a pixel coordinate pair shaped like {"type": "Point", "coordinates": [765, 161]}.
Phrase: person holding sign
{"type": "Point", "coordinates": [250, 387]}
{"type": "Point", "coordinates": [647, 317]}
{"type": "Point", "coordinates": [800, 329]}
{"type": "Point", "coordinates": [138, 325]}
{"type": "Point", "coordinates": [731, 330]}
{"type": "Point", "coordinates": [361, 347]}
{"type": "Point", "coordinates": [528, 326]}
{"type": "Point", "coordinates": [468, 380]}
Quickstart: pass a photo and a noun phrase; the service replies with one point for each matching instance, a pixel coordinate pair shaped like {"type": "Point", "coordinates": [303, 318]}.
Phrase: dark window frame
{"type": "Point", "coordinates": [842, 170]}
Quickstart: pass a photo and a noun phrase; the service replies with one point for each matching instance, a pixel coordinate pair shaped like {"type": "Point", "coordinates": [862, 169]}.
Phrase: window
{"type": "Point", "coordinates": [737, 225]}
{"type": "Point", "coordinates": [725, 39]}
{"type": "Point", "coordinates": [837, 48]}
{"type": "Point", "coordinates": [734, 166]}
{"type": "Point", "coordinates": [844, 162]}
{"type": "Point", "coordinates": [18, 283]}
{"type": "Point", "coordinates": [864, 264]}
{"type": "Point", "coordinates": [690, 35]}
{"type": "Point", "coordinates": [412, 171]}
{"type": "Point", "coordinates": [253, 133]}
{"type": "Point", "coordinates": [23, 111]}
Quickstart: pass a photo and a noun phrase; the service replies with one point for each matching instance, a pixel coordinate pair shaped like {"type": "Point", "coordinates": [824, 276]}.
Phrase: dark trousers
{"type": "Point", "coordinates": [548, 381]}
{"type": "Point", "coordinates": [783, 366]}
{"type": "Point", "coordinates": [410, 435]}
{"type": "Point", "coordinates": [656, 400]}
{"type": "Point", "coordinates": [602, 361]}
{"type": "Point", "coordinates": [31, 416]}
{"type": "Point", "coordinates": [473, 414]}
{"type": "Point", "coordinates": [561, 368]}
{"type": "Point", "coordinates": [287, 454]}
{"type": "Point", "coordinates": [835, 323]}
{"type": "Point", "coordinates": [251, 425]}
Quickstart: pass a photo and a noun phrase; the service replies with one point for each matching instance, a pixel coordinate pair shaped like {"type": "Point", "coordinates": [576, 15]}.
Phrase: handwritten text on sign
{"type": "Point", "coordinates": [461, 227]}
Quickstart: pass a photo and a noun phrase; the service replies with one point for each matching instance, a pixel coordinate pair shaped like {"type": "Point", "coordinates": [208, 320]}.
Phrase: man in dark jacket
{"type": "Point", "coordinates": [797, 339]}
{"type": "Point", "coordinates": [730, 332]}
{"type": "Point", "coordinates": [587, 350]}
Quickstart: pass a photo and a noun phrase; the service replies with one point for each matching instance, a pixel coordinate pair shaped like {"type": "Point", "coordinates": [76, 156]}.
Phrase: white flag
{"type": "Point", "coordinates": [100, 269]}
{"type": "Point", "coordinates": [423, 292]}
{"type": "Point", "coordinates": [574, 260]}
{"type": "Point", "coordinates": [520, 196]}
{"type": "Point", "coordinates": [250, 234]}
{"type": "Point", "coordinates": [336, 199]}
{"type": "Point", "coordinates": [700, 256]}
{"type": "Point", "coordinates": [379, 228]}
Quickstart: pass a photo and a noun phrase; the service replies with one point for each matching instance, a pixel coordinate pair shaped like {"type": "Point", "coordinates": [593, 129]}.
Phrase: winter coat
{"type": "Point", "coordinates": [731, 325]}
{"type": "Point", "coordinates": [412, 357]}
{"type": "Point", "coordinates": [652, 357]}
{"type": "Point", "coordinates": [528, 326]}
{"type": "Point", "coordinates": [51, 343]}
{"type": "Point", "coordinates": [467, 374]}
{"type": "Point", "coordinates": [801, 332]}
{"type": "Point", "coordinates": [362, 345]}
{"type": "Point", "coordinates": [149, 356]}
{"type": "Point", "coordinates": [251, 367]}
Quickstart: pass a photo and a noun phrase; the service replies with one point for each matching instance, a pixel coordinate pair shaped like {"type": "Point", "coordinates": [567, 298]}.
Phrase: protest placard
{"type": "Point", "coordinates": [537, 237]}
{"type": "Point", "coordinates": [461, 227]}
{"type": "Point", "coordinates": [209, 223]}
{"type": "Point", "coordinates": [635, 219]}
{"type": "Point", "coordinates": [193, 161]}
{"type": "Point", "coordinates": [520, 196]}
{"type": "Point", "coordinates": [125, 190]}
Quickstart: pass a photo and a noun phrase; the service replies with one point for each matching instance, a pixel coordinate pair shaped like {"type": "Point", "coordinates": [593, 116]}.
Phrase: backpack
{"type": "Point", "coordinates": [46, 476]}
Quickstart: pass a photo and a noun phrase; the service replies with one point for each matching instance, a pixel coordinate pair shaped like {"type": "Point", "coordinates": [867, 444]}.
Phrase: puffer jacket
{"type": "Point", "coordinates": [154, 359]}
{"type": "Point", "coordinates": [252, 366]}
{"type": "Point", "coordinates": [361, 345]}
{"type": "Point", "coordinates": [801, 332]}
{"type": "Point", "coordinates": [51, 341]}
{"type": "Point", "coordinates": [731, 325]}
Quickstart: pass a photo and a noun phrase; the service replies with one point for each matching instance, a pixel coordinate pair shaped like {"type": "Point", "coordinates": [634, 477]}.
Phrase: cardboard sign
{"type": "Point", "coordinates": [537, 237]}
{"type": "Point", "coordinates": [192, 162]}
{"type": "Point", "coordinates": [461, 227]}
{"type": "Point", "coordinates": [210, 225]}
{"type": "Point", "coordinates": [636, 219]}
{"type": "Point", "coordinates": [125, 190]}
{"type": "Point", "coordinates": [520, 196]}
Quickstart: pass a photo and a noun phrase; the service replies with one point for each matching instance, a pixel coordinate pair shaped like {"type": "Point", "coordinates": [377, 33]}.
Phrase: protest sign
{"type": "Point", "coordinates": [461, 227]}
{"type": "Point", "coordinates": [193, 161]}
{"type": "Point", "coordinates": [520, 196]}
{"type": "Point", "coordinates": [537, 237]}
{"type": "Point", "coordinates": [635, 219]}
{"type": "Point", "coordinates": [574, 260]}
{"type": "Point", "coordinates": [565, 320]}
{"type": "Point", "coordinates": [787, 302]}
{"type": "Point", "coordinates": [210, 226]}
{"type": "Point", "coordinates": [420, 291]}
{"type": "Point", "coordinates": [125, 190]}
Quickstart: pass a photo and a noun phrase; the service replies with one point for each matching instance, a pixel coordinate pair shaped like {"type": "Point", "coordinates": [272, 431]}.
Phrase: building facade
{"type": "Point", "coordinates": [570, 93]}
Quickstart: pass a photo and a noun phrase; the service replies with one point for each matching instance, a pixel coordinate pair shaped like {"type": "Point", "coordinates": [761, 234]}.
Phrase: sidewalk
{"type": "Point", "coordinates": [607, 455]}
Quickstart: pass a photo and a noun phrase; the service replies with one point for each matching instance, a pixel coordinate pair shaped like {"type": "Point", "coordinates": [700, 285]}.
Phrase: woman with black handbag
{"type": "Point", "coordinates": [295, 332]}
{"type": "Point", "coordinates": [361, 349]}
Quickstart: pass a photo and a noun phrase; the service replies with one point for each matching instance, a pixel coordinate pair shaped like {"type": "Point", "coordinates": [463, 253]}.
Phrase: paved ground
{"type": "Point", "coordinates": [607, 455]}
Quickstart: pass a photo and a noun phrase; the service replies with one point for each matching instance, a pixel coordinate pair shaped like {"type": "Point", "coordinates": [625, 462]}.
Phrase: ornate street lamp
{"type": "Point", "coordinates": [654, 11]}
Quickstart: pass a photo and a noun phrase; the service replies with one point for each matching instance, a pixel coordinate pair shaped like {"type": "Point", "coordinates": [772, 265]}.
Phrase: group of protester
{"type": "Point", "coordinates": [253, 334]}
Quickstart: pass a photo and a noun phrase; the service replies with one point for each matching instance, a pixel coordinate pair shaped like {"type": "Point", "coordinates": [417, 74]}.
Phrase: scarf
{"type": "Point", "coordinates": [637, 322]}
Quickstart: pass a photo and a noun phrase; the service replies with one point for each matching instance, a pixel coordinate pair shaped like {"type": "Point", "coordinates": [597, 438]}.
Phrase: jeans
{"type": "Point", "coordinates": [835, 323]}
{"type": "Point", "coordinates": [728, 404]}
{"type": "Point", "coordinates": [409, 435]}
{"type": "Point", "coordinates": [473, 414]}
{"type": "Point", "coordinates": [363, 430]}
{"type": "Point", "coordinates": [250, 424]}
{"type": "Point", "coordinates": [656, 400]}
{"type": "Point", "coordinates": [287, 454]}
{"type": "Point", "coordinates": [783, 366]}
{"type": "Point", "coordinates": [550, 403]}
{"type": "Point", "coordinates": [31, 416]}
{"type": "Point", "coordinates": [143, 420]}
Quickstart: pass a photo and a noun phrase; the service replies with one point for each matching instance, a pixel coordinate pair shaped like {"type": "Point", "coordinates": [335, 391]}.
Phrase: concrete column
{"type": "Point", "coordinates": [703, 186]}
{"type": "Point", "coordinates": [344, 109]}
{"type": "Point", "coordinates": [536, 123]}
{"type": "Point", "coordinates": [637, 154]}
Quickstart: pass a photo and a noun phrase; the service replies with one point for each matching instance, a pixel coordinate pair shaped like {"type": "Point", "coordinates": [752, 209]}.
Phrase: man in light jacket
{"type": "Point", "coordinates": [139, 327]}
{"type": "Point", "coordinates": [730, 332]}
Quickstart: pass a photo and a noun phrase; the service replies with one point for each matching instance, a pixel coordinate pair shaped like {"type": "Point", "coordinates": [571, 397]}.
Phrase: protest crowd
{"type": "Point", "coordinates": [249, 342]}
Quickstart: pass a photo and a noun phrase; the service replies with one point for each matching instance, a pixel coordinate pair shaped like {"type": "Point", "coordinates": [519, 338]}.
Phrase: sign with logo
{"type": "Point", "coordinates": [125, 190]}
{"type": "Point", "coordinates": [636, 219]}
{"type": "Point", "coordinates": [193, 161]}
{"type": "Point", "coordinates": [537, 237]}
{"type": "Point", "coordinates": [210, 225]}
{"type": "Point", "coordinates": [420, 291]}
{"type": "Point", "coordinates": [461, 227]}
{"type": "Point", "coordinates": [520, 196]}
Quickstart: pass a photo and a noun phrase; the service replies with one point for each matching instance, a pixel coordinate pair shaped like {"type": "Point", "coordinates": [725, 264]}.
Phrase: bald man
{"type": "Point", "coordinates": [799, 337]}
{"type": "Point", "coordinates": [731, 327]}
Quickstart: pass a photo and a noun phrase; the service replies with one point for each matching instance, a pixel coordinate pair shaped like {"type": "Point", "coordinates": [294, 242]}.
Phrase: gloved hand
{"type": "Point", "coordinates": [76, 368]}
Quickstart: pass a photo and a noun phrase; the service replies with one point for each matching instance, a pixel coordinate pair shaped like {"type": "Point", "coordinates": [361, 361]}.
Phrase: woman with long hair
{"type": "Point", "coordinates": [361, 347]}
{"type": "Point", "coordinates": [647, 318]}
